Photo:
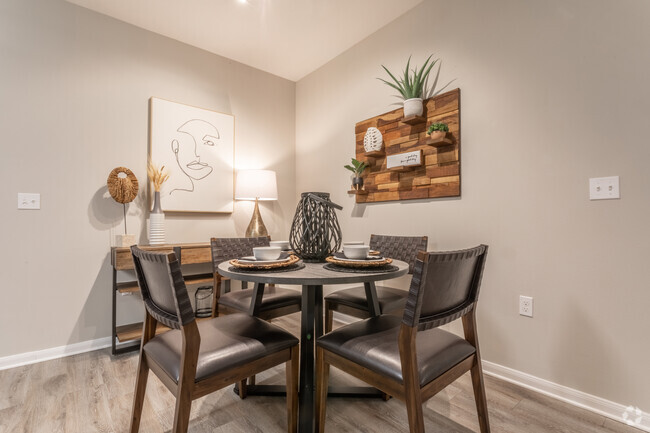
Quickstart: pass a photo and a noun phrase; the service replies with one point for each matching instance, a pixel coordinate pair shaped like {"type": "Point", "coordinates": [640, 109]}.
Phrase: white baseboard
{"type": "Point", "coordinates": [625, 414]}
{"type": "Point", "coordinates": [53, 353]}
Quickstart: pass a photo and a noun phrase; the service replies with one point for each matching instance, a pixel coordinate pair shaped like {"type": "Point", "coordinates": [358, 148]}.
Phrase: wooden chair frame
{"type": "Point", "coordinates": [187, 389]}
{"type": "Point", "coordinates": [332, 306]}
{"type": "Point", "coordinates": [410, 391]}
{"type": "Point", "coordinates": [218, 309]}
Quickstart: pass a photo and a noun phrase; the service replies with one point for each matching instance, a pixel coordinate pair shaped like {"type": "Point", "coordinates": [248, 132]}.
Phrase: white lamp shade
{"type": "Point", "coordinates": [256, 184]}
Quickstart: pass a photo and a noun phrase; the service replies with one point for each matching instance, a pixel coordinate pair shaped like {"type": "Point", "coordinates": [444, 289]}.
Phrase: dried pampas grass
{"type": "Point", "coordinates": [158, 176]}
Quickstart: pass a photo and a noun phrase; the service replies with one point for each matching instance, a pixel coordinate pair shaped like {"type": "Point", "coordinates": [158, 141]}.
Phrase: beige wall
{"type": "Point", "coordinates": [74, 98]}
{"type": "Point", "coordinates": [542, 83]}
{"type": "Point", "coordinates": [553, 93]}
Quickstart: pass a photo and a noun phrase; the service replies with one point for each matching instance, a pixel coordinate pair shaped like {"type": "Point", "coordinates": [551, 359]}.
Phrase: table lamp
{"type": "Point", "coordinates": [256, 185]}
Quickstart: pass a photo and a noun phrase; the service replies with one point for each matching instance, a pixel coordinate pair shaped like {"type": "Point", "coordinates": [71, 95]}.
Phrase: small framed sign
{"type": "Point", "coordinates": [405, 160]}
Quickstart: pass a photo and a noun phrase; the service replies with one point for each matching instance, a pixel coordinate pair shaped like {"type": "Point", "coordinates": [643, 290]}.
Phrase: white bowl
{"type": "Point", "coordinates": [267, 253]}
{"type": "Point", "coordinates": [353, 243]}
{"type": "Point", "coordinates": [283, 245]}
{"type": "Point", "coordinates": [356, 252]}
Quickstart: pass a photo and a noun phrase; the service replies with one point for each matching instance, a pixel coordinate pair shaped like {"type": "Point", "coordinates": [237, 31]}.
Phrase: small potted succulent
{"type": "Point", "coordinates": [411, 86]}
{"type": "Point", "coordinates": [438, 131]}
{"type": "Point", "coordinates": [357, 169]}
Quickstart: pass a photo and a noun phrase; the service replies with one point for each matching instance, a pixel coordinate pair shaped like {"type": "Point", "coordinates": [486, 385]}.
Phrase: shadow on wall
{"type": "Point", "coordinates": [105, 214]}
{"type": "Point", "coordinates": [94, 320]}
{"type": "Point", "coordinates": [359, 209]}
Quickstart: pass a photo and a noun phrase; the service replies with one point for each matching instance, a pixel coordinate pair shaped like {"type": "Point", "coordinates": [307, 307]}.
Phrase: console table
{"type": "Point", "coordinates": [128, 335]}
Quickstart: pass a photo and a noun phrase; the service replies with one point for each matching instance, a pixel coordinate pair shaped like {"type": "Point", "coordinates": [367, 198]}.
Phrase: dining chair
{"type": "Point", "coordinates": [353, 301]}
{"type": "Point", "coordinates": [410, 358]}
{"type": "Point", "coordinates": [194, 359]}
{"type": "Point", "coordinates": [276, 301]}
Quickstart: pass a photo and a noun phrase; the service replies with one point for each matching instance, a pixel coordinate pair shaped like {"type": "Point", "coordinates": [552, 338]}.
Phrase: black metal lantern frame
{"type": "Point", "coordinates": [315, 231]}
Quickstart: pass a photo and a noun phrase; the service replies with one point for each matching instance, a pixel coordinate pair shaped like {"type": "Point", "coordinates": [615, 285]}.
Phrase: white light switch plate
{"type": "Point", "coordinates": [604, 188]}
{"type": "Point", "coordinates": [29, 200]}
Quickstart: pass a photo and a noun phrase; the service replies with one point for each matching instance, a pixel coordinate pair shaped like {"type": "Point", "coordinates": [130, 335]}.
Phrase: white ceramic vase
{"type": "Point", "coordinates": [413, 107]}
{"type": "Point", "coordinates": [373, 141]}
{"type": "Point", "coordinates": [156, 223]}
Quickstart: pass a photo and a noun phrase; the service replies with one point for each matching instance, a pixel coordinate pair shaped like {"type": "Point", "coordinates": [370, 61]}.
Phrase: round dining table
{"type": "Point", "coordinates": [312, 277]}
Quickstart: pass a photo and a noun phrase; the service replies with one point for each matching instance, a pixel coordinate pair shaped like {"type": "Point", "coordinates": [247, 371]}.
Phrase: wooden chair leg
{"type": "Point", "coordinates": [183, 408]}
{"type": "Point", "coordinates": [414, 412]}
{"type": "Point", "coordinates": [479, 396]}
{"type": "Point", "coordinates": [412, 392]}
{"type": "Point", "coordinates": [322, 381]}
{"type": "Point", "coordinates": [189, 361]}
{"type": "Point", "coordinates": [292, 370]}
{"type": "Point", "coordinates": [329, 319]}
{"type": "Point", "coordinates": [469, 327]}
{"type": "Point", "coordinates": [138, 394]}
{"type": "Point", "coordinates": [243, 392]}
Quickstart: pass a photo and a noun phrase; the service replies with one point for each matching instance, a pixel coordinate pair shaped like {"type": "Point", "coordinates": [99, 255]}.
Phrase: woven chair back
{"type": "Point", "coordinates": [224, 249]}
{"type": "Point", "coordinates": [162, 287]}
{"type": "Point", "coordinates": [404, 248]}
{"type": "Point", "coordinates": [445, 286]}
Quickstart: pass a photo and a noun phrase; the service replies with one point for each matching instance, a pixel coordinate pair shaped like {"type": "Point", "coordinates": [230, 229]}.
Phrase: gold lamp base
{"type": "Point", "coordinates": [256, 228]}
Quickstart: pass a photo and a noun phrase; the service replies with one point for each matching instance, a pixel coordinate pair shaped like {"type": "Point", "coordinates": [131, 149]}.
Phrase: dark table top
{"type": "Point", "coordinates": [313, 274]}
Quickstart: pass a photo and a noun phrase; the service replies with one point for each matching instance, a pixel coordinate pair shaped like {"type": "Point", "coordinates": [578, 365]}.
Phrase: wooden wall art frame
{"type": "Point", "coordinates": [439, 174]}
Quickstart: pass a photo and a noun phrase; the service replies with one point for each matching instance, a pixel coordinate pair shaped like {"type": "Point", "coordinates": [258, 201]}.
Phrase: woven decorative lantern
{"type": "Point", "coordinates": [315, 231]}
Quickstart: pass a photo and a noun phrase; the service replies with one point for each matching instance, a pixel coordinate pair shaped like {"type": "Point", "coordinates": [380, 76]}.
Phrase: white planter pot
{"type": "Point", "coordinates": [413, 107]}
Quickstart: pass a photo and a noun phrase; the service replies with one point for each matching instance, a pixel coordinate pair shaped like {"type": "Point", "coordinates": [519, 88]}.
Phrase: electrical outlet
{"type": "Point", "coordinates": [526, 306]}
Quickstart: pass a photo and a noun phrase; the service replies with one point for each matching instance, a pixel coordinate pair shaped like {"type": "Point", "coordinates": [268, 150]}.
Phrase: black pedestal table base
{"type": "Point", "coordinates": [312, 278]}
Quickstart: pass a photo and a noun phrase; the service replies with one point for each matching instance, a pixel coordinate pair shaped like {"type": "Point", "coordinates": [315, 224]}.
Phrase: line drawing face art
{"type": "Point", "coordinates": [197, 147]}
{"type": "Point", "coordinates": [193, 154]}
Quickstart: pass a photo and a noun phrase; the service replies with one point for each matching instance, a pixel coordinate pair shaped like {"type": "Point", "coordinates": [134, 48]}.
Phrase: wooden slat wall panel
{"type": "Point", "coordinates": [439, 176]}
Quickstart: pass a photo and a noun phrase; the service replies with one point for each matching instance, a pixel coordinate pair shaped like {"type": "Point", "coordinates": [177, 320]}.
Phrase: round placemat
{"type": "Point", "coordinates": [293, 267]}
{"type": "Point", "coordinates": [376, 269]}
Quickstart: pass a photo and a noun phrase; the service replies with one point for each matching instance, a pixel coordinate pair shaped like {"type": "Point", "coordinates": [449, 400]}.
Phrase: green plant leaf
{"type": "Point", "coordinates": [413, 82]}
{"type": "Point", "coordinates": [401, 91]}
{"type": "Point", "coordinates": [405, 81]}
{"type": "Point", "coordinates": [398, 85]}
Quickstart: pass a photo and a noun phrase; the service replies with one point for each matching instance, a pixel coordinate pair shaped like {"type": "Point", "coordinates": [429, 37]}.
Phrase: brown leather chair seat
{"type": "Point", "coordinates": [225, 343]}
{"type": "Point", "coordinates": [390, 299]}
{"type": "Point", "coordinates": [197, 358]}
{"type": "Point", "coordinates": [372, 343]}
{"type": "Point", "coordinates": [274, 298]}
{"type": "Point", "coordinates": [411, 358]}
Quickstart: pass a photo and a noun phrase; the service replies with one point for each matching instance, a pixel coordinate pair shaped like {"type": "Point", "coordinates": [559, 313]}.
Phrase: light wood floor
{"type": "Point", "coordinates": [92, 392]}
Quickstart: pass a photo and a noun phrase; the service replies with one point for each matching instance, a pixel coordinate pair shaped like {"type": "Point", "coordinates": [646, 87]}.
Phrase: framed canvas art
{"type": "Point", "coordinates": [197, 147]}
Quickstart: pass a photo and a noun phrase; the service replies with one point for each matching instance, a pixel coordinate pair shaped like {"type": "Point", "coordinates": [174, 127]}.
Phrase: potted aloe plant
{"type": "Point", "coordinates": [411, 86]}
{"type": "Point", "coordinates": [357, 169]}
{"type": "Point", "coordinates": [438, 131]}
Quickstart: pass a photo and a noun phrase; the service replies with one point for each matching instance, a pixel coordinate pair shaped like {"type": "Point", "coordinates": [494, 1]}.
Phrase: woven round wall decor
{"type": "Point", "coordinates": [122, 189]}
